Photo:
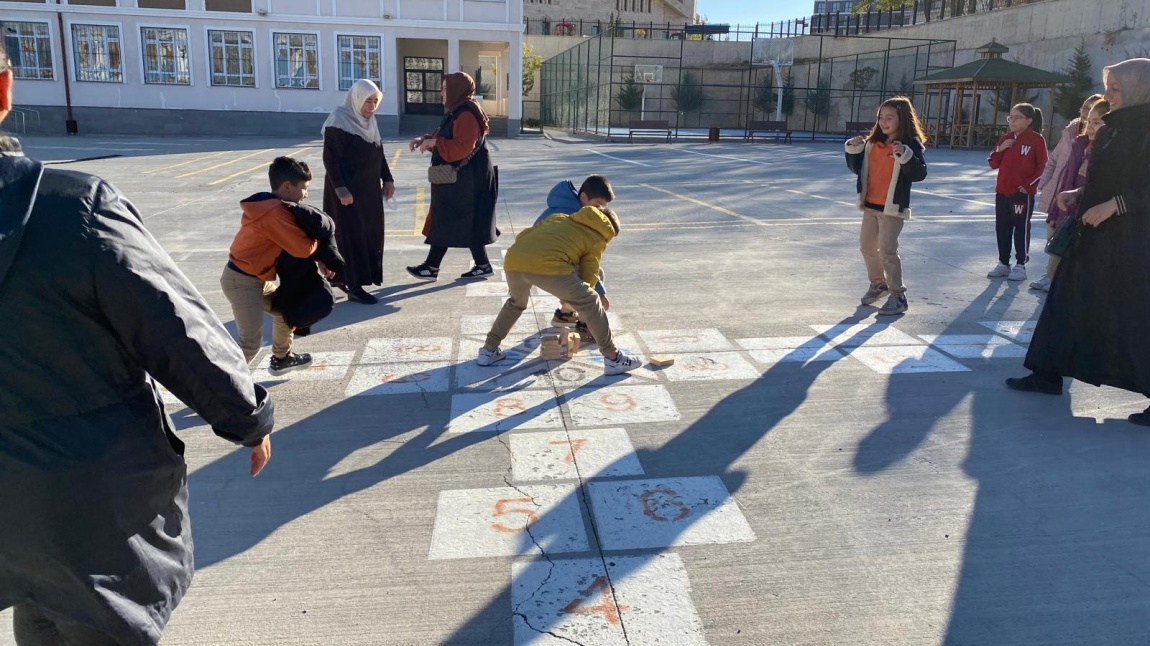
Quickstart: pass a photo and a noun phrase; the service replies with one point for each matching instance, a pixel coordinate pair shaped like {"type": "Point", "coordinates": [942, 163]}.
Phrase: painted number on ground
{"type": "Point", "coordinates": [606, 606]}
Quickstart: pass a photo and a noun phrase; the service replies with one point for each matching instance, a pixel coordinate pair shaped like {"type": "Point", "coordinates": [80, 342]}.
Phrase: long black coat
{"type": "Point", "coordinates": [1093, 327]}
{"type": "Point", "coordinates": [93, 495]}
{"type": "Point", "coordinates": [463, 214]}
{"type": "Point", "coordinates": [352, 162]}
{"type": "Point", "coordinates": [303, 297]}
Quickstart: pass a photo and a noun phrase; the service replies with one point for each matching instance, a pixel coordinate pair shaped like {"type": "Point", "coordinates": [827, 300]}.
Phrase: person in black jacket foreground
{"type": "Point", "coordinates": [95, 543]}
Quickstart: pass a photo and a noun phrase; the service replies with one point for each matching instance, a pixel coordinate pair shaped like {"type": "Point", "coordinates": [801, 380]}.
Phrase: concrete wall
{"type": "Point", "coordinates": [660, 11]}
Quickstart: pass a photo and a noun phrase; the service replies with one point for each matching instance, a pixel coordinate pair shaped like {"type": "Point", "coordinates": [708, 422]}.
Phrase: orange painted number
{"type": "Point", "coordinates": [617, 402]}
{"type": "Point", "coordinates": [606, 606]}
{"type": "Point", "coordinates": [663, 505]}
{"type": "Point", "coordinates": [503, 508]}
{"type": "Point", "coordinates": [506, 404]}
{"type": "Point", "coordinates": [574, 445]}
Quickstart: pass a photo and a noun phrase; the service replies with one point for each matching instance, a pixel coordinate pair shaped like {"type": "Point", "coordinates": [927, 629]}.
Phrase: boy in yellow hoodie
{"type": "Point", "coordinates": [561, 256]}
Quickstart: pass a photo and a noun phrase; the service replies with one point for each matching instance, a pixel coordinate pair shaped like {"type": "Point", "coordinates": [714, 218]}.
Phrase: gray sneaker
{"type": "Point", "coordinates": [1042, 284]}
{"type": "Point", "coordinates": [1018, 273]}
{"type": "Point", "coordinates": [895, 304]}
{"type": "Point", "coordinates": [875, 293]}
{"type": "Point", "coordinates": [999, 271]}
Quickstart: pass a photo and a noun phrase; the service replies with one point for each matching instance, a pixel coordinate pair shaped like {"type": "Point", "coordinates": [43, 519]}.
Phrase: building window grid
{"type": "Point", "coordinates": [165, 56]}
{"type": "Point", "coordinates": [359, 58]}
{"type": "Point", "coordinates": [232, 58]}
{"type": "Point", "coordinates": [297, 60]}
{"type": "Point", "coordinates": [29, 47]}
{"type": "Point", "coordinates": [97, 53]}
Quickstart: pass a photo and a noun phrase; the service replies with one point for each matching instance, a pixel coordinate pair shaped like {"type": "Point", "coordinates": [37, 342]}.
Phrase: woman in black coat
{"type": "Point", "coordinates": [1093, 327]}
{"type": "Point", "coordinates": [357, 181]}
{"type": "Point", "coordinates": [462, 214]}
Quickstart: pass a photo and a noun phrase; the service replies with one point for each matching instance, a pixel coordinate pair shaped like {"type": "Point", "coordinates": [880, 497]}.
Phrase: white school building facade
{"type": "Point", "coordinates": [255, 67]}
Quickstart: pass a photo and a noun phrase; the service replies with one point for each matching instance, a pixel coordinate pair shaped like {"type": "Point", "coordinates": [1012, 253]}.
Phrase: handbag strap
{"type": "Point", "coordinates": [466, 160]}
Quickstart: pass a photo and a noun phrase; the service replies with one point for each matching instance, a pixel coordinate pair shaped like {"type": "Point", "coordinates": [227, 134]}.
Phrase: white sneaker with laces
{"type": "Point", "coordinates": [490, 357]}
{"type": "Point", "coordinates": [1018, 273]}
{"type": "Point", "coordinates": [1000, 271]}
{"type": "Point", "coordinates": [1042, 284]}
{"type": "Point", "coordinates": [620, 364]}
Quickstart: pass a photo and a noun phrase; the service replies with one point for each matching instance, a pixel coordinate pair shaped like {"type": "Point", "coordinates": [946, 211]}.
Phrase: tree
{"type": "Point", "coordinates": [881, 5]}
{"type": "Point", "coordinates": [687, 96]}
{"type": "Point", "coordinates": [1069, 97]}
{"type": "Point", "coordinates": [788, 94]}
{"type": "Point", "coordinates": [860, 80]}
{"type": "Point", "coordinates": [765, 97]}
{"type": "Point", "coordinates": [819, 99]}
{"type": "Point", "coordinates": [630, 95]}
{"type": "Point", "coordinates": [531, 64]}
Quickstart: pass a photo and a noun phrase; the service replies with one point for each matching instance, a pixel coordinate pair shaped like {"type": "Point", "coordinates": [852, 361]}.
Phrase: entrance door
{"type": "Point", "coordinates": [421, 80]}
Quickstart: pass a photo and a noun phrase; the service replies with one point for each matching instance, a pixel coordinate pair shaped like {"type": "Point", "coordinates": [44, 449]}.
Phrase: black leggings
{"type": "Point", "coordinates": [478, 254]}
{"type": "Point", "coordinates": [1012, 223]}
{"type": "Point", "coordinates": [33, 628]}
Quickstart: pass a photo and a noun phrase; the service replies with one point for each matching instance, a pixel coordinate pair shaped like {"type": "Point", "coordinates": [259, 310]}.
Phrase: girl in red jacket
{"type": "Point", "coordinates": [1020, 158]}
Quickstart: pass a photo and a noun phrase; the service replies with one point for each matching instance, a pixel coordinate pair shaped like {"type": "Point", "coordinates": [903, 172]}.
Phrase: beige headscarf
{"type": "Point", "coordinates": [1133, 77]}
{"type": "Point", "coordinates": [347, 117]}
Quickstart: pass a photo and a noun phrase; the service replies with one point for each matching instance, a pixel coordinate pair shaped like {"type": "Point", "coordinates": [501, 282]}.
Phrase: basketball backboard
{"type": "Point", "coordinates": [773, 51]}
{"type": "Point", "coordinates": [649, 73]}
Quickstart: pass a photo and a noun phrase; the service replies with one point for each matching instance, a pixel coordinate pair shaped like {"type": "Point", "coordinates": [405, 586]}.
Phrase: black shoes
{"type": "Point", "coordinates": [1034, 383]}
{"type": "Point", "coordinates": [424, 272]}
{"type": "Point", "coordinates": [478, 271]}
{"type": "Point", "coordinates": [360, 295]}
{"type": "Point", "coordinates": [290, 362]}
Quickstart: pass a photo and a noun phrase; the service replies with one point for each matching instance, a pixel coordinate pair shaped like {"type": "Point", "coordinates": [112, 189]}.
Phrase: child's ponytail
{"type": "Point", "coordinates": [1033, 113]}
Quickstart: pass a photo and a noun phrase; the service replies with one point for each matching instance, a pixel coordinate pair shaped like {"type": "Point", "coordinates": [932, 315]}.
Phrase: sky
{"type": "Point", "coordinates": [748, 12]}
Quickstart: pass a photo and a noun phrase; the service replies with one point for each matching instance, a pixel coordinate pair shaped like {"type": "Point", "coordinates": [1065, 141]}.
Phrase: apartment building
{"type": "Point", "coordinates": [230, 67]}
{"type": "Point", "coordinates": [556, 17]}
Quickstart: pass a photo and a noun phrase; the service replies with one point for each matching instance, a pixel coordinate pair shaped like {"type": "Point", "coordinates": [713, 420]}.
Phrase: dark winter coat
{"type": "Point", "coordinates": [1093, 327]}
{"type": "Point", "coordinates": [93, 494]}
{"type": "Point", "coordinates": [909, 168]}
{"type": "Point", "coordinates": [463, 214]}
{"type": "Point", "coordinates": [303, 297]}
{"type": "Point", "coordinates": [353, 163]}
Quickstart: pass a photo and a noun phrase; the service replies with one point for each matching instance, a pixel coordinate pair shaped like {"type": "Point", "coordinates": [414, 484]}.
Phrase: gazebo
{"type": "Point", "coordinates": [951, 98]}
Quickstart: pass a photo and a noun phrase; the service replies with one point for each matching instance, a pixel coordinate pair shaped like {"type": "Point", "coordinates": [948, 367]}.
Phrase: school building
{"type": "Point", "coordinates": [255, 67]}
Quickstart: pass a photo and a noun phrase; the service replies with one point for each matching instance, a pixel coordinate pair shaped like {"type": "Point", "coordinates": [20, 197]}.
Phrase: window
{"type": "Point", "coordinates": [165, 56]}
{"type": "Point", "coordinates": [358, 59]}
{"type": "Point", "coordinates": [232, 59]}
{"type": "Point", "coordinates": [422, 78]}
{"type": "Point", "coordinates": [297, 60]}
{"type": "Point", "coordinates": [97, 53]}
{"type": "Point", "coordinates": [29, 46]}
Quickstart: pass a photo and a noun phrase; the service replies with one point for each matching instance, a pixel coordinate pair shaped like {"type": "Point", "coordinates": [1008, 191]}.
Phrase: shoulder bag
{"type": "Point", "coordinates": [449, 173]}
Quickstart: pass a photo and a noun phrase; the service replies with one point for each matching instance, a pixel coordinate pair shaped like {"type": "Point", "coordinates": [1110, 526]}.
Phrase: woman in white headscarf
{"type": "Point", "coordinates": [357, 182]}
{"type": "Point", "coordinates": [1093, 327]}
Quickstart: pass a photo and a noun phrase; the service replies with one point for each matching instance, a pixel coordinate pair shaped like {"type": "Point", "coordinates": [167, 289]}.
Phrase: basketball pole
{"type": "Point", "coordinates": [779, 81]}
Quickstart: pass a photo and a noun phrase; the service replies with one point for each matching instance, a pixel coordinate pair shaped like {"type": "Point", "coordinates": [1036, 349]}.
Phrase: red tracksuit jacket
{"type": "Point", "coordinates": [1021, 164]}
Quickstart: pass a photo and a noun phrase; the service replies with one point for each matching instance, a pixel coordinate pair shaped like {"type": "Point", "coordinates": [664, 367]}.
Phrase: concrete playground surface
{"type": "Point", "coordinates": [805, 473]}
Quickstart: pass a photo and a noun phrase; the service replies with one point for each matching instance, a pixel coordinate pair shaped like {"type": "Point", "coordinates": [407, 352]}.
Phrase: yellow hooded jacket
{"type": "Point", "coordinates": [557, 245]}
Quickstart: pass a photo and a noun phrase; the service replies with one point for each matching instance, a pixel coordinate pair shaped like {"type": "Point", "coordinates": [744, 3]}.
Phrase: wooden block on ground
{"type": "Point", "coordinates": [661, 360]}
{"type": "Point", "coordinates": [573, 342]}
{"type": "Point", "coordinates": [549, 338]}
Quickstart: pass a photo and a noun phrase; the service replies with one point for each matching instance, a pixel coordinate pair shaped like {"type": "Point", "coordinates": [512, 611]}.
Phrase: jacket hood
{"type": "Point", "coordinates": [592, 217]}
{"type": "Point", "coordinates": [259, 205]}
{"type": "Point", "coordinates": [19, 181]}
{"type": "Point", "coordinates": [564, 198]}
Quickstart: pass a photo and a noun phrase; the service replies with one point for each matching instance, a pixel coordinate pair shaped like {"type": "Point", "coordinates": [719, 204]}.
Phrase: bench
{"type": "Point", "coordinates": [857, 128]}
{"type": "Point", "coordinates": [649, 126]}
{"type": "Point", "coordinates": [768, 126]}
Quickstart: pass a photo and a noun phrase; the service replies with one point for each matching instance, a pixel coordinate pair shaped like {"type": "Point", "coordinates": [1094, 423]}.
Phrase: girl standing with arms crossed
{"type": "Point", "coordinates": [886, 161]}
{"type": "Point", "coordinates": [1020, 158]}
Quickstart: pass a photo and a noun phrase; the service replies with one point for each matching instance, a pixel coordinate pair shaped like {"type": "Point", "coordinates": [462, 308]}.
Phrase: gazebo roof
{"type": "Point", "coordinates": [994, 70]}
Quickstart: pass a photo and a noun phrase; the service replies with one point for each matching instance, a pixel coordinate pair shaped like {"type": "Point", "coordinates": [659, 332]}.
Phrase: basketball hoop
{"type": "Point", "coordinates": [648, 77]}
{"type": "Point", "coordinates": [649, 73]}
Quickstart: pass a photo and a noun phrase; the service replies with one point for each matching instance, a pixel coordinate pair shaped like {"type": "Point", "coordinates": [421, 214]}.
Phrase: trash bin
{"type": "Point", "coordinates": [713, 134]}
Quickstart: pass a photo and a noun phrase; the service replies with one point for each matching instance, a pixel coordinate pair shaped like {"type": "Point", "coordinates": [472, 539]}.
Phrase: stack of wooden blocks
{"type": "Point", "coordinates": [559, 346]}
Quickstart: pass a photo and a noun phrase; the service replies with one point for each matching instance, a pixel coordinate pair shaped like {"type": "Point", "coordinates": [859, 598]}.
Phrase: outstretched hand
{"type": "Point", "coordinates": [261, 453]}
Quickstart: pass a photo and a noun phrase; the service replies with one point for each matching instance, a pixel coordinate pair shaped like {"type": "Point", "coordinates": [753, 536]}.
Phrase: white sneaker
{"type": "Point", "coordinates": [1000, 271]}
{"type": "Point", "coordinates": [489, 357]}
{"type": "Point", "coordinates": [1018, 273]}
{"type": "Point", "coordinates": [1042, 284]}
{"type": "Point", "coordinates": [620, 364]}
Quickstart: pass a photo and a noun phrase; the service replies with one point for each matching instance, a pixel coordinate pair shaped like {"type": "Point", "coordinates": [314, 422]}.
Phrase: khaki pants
{"type": "Point", "coordinates": [569, 289]}
{"type": "Point", "coordinates": [1051, 259]}
{"type": "Point", "coordinates": [250, 298]}
{"type": "Point", "coordinates": [878, 241]}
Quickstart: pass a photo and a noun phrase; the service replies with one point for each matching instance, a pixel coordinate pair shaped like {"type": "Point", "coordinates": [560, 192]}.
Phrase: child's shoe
{"type": "Point", "coordinates": [585, 335]}
{"type": "Point", "coordinates": [895, 304]}
{"type": "Point", "coordinates": [290, 362]}
{"type": "Point", "coordinates": [424, 272]}
{"type": "Point", "coordinates": [564, 319]}
{"type": "Point", "coordinates": [1018, 273]}
{"type": "Point", "coordinates": [875, 292]}
{"type": "Point", "coordinates": [490, 357]}
{"type": "Point", "coordinates": [478, 271]}
{"type": "Point", "coordinates": [1000, 271]}
{"type": "Point", "coordinates": [620, 364]}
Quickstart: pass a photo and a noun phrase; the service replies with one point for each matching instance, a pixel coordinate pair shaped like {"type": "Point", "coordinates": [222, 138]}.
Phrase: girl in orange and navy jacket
{"type": "Point", "coordinates": [887, 161]}
{"type": "Point", "coordinates": [1020, 158]}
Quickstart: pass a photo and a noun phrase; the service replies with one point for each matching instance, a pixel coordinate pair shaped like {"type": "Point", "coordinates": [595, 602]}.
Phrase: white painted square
{"type": "Point", "coordinates": [782, 343]}
{"type": "Point", "coordinates": [492, 288]}
{"type": "Point", "coordinates": [696, 340]}
{"type": "Point", "coordinates": [1017, 331]}
{"type": "Point", "coordinates": [599, 452]}
{"type": "Point", "coordinates": [399, 379]}
{"type": "Point", "coordinates": [620, 406]}
{"type": "Point", "coordinates": [800, 349]}
{"type": "Point", "coordinates": [897, 360]}
{"type": "Point", "coordinates": [587, 372]}
{"type": "Point", "coordinates": [663, 513]}
{"type": "Point", "coordinates": [507, 521]}
{"type": "Point", "coordinates": [480, 324]}
{"type": "Point", "coordinates": [625, 342]}
{"type": "Point", "coordinates": [975, 346]}
{"type": "Point", "coordinates": [497, 412]}
{"type": "Point", "coordinates": [859, 334]}
{"type": "Point", "coordinates": [411, 349]}
{"type": "Point", "coordinates": [520, 370]}
{"type": "Point", "coordinates": [566, 601]}
{"type": "Point", "coordinates": [710, 367]}
{"type": "Point", "coordinates": [324, 365]}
